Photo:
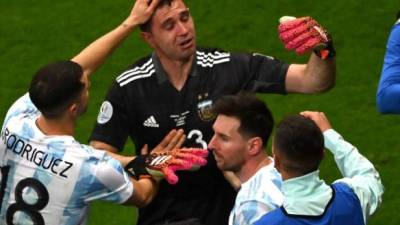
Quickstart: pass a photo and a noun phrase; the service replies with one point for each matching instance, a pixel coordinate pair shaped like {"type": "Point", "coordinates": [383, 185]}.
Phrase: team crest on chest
{"type": "Point", "coordinates": [204, 108]}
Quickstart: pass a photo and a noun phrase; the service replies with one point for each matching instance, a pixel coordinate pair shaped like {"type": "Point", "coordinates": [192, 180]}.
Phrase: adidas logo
{"type": "Point", "coordinates": [150, 122]}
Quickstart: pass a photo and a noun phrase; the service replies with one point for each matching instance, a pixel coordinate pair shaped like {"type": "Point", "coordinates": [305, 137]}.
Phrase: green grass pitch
{"type": "Point", "coordinates": [33, 33]}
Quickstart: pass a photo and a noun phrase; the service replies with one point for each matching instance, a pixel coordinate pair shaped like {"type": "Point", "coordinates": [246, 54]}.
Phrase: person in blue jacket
{"type": "Point", "coordinates": [388, 96]}
{"type": "Point", "coordinates": [298, 149]}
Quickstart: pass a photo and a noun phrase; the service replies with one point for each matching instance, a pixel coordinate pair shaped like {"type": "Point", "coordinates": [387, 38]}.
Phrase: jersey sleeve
{"type": "Point", "coordinates": [111, 126]}
{"type": "Point", "coordinates": [260, 73]}
{"type": "Point", "coordinates": [249, 212]}
{"type": "Point", "coordinates": [388, 94]}
{"type": "Point", "coordinates": [109, 181]}
{"type": "Point", "coordinates": [359, 173]}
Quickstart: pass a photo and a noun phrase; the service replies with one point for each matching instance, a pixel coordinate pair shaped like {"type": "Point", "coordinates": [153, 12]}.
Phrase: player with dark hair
{"type": "Point", "coordinates": [298, 149]}
{"type": "Point", "coordinates": [47, 177]}
{"type": "Point", "coordinates": [242, 128]}
{"type": "Point", "coordinates": [176, 86]}
{"type": "Point", "coordinates": [388, 95]}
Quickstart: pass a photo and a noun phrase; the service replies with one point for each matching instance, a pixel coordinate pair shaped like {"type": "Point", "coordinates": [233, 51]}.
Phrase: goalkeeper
{"type": "Point", "coordinates": [47, 177]}
{"type": "Point", "coordinates": [176, 85]}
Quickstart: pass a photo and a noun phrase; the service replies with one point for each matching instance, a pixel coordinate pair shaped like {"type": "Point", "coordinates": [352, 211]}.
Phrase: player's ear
{"type": "Point", "coordinates": [148, 38]}
{"type": "Point", "coordinates": [255, 145]}
{"type": "Point", "coordinates": [277, 161]}
{"type": "Point", "coordinates": [73, 109]}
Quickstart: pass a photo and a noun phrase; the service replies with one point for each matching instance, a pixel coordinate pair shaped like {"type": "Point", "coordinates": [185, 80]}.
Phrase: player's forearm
{"type": "Point", "coordinates": [144, 192]}
{"type": "Point", "coordinates": [95, 54]}
{"type": "Point", "coordinates": [320, 74]}
{"type": "Point", "coordinates": [316, 76]}
{"type": "Point", "coordinates": [124, 160]}
{"type": "Point", "coordinates": [349, 161]}
{"type": "Point", "coordinates": [232, 179]}
{"type": "Point", "coordinates": [359, 173]}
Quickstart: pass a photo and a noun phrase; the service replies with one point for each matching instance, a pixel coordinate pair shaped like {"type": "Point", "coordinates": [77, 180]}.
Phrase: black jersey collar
{"type": "Point", "coordinates": [162, 75]}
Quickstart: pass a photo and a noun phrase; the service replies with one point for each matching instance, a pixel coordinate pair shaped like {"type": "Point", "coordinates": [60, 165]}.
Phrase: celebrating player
{"type": "Point", "coordinates": [242, 128]}
{"type": "Point", "coordinates": [298, 149]}
{"type": "Point", "coordinates": [47, 177]}
{"type": "Point", "coordinates": [176, 86]}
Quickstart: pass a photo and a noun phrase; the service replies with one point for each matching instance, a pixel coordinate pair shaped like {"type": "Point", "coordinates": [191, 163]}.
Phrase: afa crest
{"type": "Point", "coordinates": [204, 110]}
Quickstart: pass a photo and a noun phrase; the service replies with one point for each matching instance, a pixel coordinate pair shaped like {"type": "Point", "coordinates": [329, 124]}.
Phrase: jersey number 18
{"type": "Point", "coordinates": [31, 210]}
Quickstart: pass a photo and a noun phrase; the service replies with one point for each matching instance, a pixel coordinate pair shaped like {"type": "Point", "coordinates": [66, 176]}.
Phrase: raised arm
{"type": "Point", "coordinates": [94, 55]}
{"type": "Point", "coordinates": [317, 76]}
{"type": "Point", "coordinates": [305, 35]}
{"type": "Point", "coordinates": [359, 173]}
{"type": "Point", "coordinates": [388, 94]}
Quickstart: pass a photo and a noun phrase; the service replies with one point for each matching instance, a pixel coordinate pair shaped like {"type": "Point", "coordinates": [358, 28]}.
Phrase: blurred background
{"type": "Point", "coordinates": [34, 33]}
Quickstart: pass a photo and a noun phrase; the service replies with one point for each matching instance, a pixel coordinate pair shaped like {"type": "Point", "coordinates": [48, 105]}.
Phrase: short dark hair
{"type": "Point", "coordinates": [398, 15]}
{"type": "Point", "coordinates": [146, 27]}
{"type": "Point", "coordinates": [300, 143]}
{"type": "Point", "coordinates": [55, 87]}
{"type": "Point", "coordinates": [255, 118]}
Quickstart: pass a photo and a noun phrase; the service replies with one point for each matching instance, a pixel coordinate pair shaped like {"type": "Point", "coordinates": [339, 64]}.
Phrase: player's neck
{"type": "Point", "coordinates": [62, 126]}
{"type": "Point", "coordinates": [177, 70]}
{"type": "Point", "coordinates": [252, 166]}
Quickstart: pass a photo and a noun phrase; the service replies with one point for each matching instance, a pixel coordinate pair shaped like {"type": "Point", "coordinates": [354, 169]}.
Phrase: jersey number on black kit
{"type": "Point", "coordinates": [198, 137]}
{"type": "Point", "coordinates": [20, 205]}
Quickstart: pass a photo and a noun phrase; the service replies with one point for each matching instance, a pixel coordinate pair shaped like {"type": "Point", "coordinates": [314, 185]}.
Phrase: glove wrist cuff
{"type": "Point", "coordinates": [137, 167]}
{"type": "Point", "coordinates": [326, 52]}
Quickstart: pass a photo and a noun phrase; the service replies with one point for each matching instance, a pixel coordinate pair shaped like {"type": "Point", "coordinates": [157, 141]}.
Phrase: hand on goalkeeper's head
{"type": "Point", "coordinates": [304, 35]}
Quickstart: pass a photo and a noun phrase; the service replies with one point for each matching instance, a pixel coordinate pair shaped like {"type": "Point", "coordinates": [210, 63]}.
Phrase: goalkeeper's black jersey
{"type": "Point", "coordinates": [143, 105]}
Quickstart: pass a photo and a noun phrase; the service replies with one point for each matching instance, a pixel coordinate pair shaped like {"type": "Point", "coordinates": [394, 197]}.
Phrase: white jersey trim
{"type": "Point", "coordinates": [212, 58]}
{"type": "Point", "coordinates": [146, 70]}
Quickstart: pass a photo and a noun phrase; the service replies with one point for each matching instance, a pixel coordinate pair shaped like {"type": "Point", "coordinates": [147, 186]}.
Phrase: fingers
{"type": "Point", "coordinates": [195, 151]}
{"type": "Point", "coordinates": [308, 45]}
{"type": "Point", "coordinates": [167, 139]}
{"type": "Point", "coordinates": [181, 141]}
{"type": "Point", "coordinates": [285, 19]}
{"type": "Point", "coordinates": [288, 24]}
{"type": "Point", "coordinates": [303, 34]}
{"type": "Point", "coordinates": [311, 114]}
{"type": "Point", "coordinates": [319, 118]}
{"type": "Point", "coordinates": [153, 4]}
{"type": "Point", "coordinates": [176, 141]}
{"type": "Point", "coordinates": [191, 158]}
{"type": "Point", "coordinates": [178, 159]}
{"type": "Point", "coordinates": [170, 175]}
{"type": "Point", "coordinates": [289, 34]}
{"type": "Point", "coordinates": [180, 164]}
{"type": "Point", "coordinates": [142, 11]}
{"type": "Point", "coordinates": [192, 155]}
{"type": "Point", "coordinates": [144, 150]}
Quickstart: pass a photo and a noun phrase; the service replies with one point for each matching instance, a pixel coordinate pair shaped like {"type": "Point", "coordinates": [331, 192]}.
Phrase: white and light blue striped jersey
{"type": "Point", "coordinates": [257, 196]}
{"type": "Point", "coordinates": [49, 180]}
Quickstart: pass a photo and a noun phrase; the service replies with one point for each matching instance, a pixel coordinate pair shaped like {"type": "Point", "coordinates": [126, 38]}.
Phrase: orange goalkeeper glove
{"type": "Point", "coordinates": [305, 34]}
{"type": "Point", "coordinates": [164, 165]}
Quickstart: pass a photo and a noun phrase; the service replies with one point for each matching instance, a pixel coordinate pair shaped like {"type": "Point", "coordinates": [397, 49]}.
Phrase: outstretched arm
{"type": "Point", "coordinates": [388, 95]}
{"type": "Point", "coordinates": [94, 55]}
{"type": "Point", "coordinates": [145, 189]}
{"type": "Point", "coordinates": [359, 173]}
